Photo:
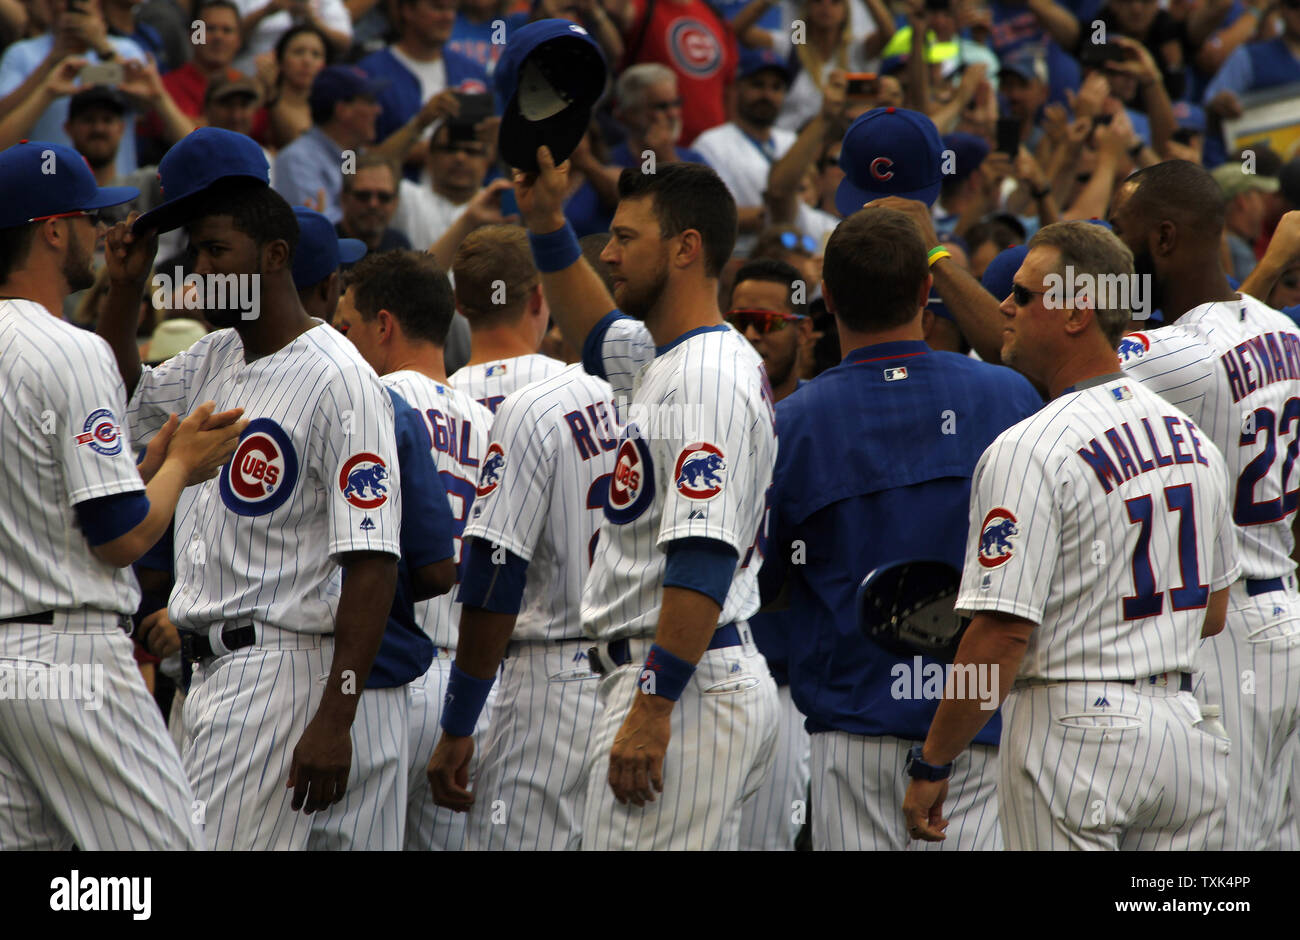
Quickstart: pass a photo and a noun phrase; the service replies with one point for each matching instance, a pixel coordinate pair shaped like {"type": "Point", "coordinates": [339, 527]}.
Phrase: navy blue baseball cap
{"type": "Point", "coordinates": [193, 164]}
{"type": "Point", "coordinates": [889, 152]}
{"type": "Point", "coordinates": [337, 83]}
{"type": "Point", "coordinates": [753, 61]}
{"type": "Point", "coordinates": [320, 251]}
{"type": "Point", "coordinates": [40, 180]}
{"type": "Point", "coordinates": [550, 76]}
{"type": "Point", "coordinates": [968, 152]}
{"type": "Point", "coordinates": [1002, 270]}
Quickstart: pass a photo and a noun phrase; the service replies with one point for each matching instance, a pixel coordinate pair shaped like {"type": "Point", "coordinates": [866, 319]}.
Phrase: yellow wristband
{"type": "Point", "coordinates": [938, 253]}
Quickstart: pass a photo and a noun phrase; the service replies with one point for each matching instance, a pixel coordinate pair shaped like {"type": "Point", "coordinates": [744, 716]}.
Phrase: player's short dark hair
{"type": "Point", "coordinates": [688, 196]}
{"type": "Point", "coordinates": [774, 271]}
{"type": "Point", "coordinates": [494, 274]}
{"type": "Point", "coordinates": [410, 286]}
{"type": "Point", "coordinates": [592, 245]}
{"type": "Point", "coordinates": [874, 266]}
{"type": "Point", "coordinates": [255, 209]}
{"type": "Point", "coordinates": [15, 246]}
{"type": "Point", "coordinates": [205, 5]}
{"type": "Point", "coordinates": [1182, 192]}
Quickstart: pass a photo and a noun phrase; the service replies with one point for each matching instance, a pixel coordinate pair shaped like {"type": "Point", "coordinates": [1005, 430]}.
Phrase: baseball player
{"type": "Point", "coordinates": [497, 291]}
{"type": "Point", "coordinates": [313, 486]}
{"type": "Point", "coordinates": [84, 755]}
{"type": "Point", "coordinates": [532, 533]}
{"type": "Point", "coordinates": [1099, 553]}
{"type": "Point", "coordinates": [912, 423]}
{"type": "Point", "coordinates": [1230, 362]}
{"type": "Point", "coordinates": [672, 581]}
{"type": "Point", "coordinates": [397, 310]}
{"type": "Point", "coordinates": [764, 308]}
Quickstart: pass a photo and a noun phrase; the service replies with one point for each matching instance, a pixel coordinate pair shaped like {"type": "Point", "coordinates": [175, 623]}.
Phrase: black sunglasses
{"type": "Point", "coordinates": [1023, 296]}
{"type": "Point", "coordinates": [370, 195]}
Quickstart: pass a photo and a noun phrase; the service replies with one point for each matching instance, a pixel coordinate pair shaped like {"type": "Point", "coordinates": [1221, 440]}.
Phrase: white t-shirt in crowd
{"type": "Point", "coordinates": [423, 215]}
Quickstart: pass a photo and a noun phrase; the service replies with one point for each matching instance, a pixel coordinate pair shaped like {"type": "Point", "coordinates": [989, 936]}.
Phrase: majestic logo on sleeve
{"type": "Point", "coordinates": [262, 473]}
{"type": "Point", "coordinates": [493, 465]}
{"type": "Point", "coordinates": [1133, 346]}
{"type": "Point", "coordinates": [995, 538]}
{"type": "Point", "coordinates": [699, 471]}
{"type": "Point", "coordinates": [632, 484]}
{"type": "Point", "coordinates": [102, 433]}
{"type": "Point", "coordinates": [362, 481]}
{"type": "Point", "coordinates": [694, 48]}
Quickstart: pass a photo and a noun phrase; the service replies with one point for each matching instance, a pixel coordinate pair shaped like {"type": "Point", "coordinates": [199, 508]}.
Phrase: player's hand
{"type": "Point", "coordinates": [915, 210]}
{"type": "Point", "coordinates": [322, 760]}
{"type": "Point", "coordinates": [636, 761]}
{"type": "Point", "coordinates": [923, 810]}
{"type": "Point", "coordinates": [156, 452]}
{"type": "Point", "coordinates": [449, 772]}
{"type": "Point", "coordinates": [158, 634]}
{"type": "Point", "coordinates": [541, 195]}
{"type": "Point", "coordinates": [129, 257]}
{"type": "Point", "coordinates": [204, 441]}
{"type": "Point", "coordinates": [485, 207]}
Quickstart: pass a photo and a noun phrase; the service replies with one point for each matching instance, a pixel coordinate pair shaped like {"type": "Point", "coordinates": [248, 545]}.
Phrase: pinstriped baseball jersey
{"type": "Point", "coordinates": [542, 490]}
{"type": "Point", "coordinates": [694, 461]}
{"type": "Point", "coordinates": [489, 383]}
{"type": "Point", "coordinates": [1103, 519]}
{"type": "Point", "coordinates": [458, 430]}
{"type": "Point", "coordinates": [1234, 366]}
{"type": "Point", "coordinates": [62, 444]}
{"type": "Point", "coordinates": [315, 476]}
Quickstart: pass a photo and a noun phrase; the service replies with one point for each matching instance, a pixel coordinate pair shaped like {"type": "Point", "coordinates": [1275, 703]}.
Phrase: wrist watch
{"type": "Point", "coordinates": [918, 769]}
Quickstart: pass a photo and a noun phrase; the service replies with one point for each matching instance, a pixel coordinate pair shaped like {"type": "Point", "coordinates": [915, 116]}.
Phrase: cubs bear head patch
{"type": "Point", "coordinates": [494, 462]}
{"type": "Point", "coordinates": [996, 535]}
{"type": "Point", "coordinates": [362, 481]}
{"type": "Point", "coordinates": [700, 472]}
{"type": "Point", "coordinates": [1133, 346]}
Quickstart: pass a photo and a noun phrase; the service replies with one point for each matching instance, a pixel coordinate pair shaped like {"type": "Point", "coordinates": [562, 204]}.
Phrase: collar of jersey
{"type": "Point", "coordinates": [660, 350]}
{"type": "Point", "coordinates": [880, 351]}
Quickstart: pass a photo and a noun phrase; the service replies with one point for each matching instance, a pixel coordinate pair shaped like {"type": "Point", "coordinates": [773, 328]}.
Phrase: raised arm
{"type": "Point", "coordinates": [128, 258]}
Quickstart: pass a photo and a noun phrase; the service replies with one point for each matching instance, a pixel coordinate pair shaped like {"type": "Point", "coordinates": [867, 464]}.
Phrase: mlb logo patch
{"type": "Point", "coordinates": [896, 374]}
{"type": "Point", "coordinates": [1123, 393]}
{"type": "Point", "coordinates": [499, 369]}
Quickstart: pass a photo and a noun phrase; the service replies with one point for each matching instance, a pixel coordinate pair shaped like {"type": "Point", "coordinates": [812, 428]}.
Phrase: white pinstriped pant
{"type": "Point", "coordinates": [858, 785]}
{"type": "Point", "coordinates": [770, 822]}
{"type": "Point", "coordinates": [71, 773]}
{"type": "Point", "coordinates": [531, 782]}
{"type": "Point", "coordinates": [721, 749]}
{"type": "Point", "coordinates": [1252, 669]}
{"type": "Point", "coordinates": [429, 827]}
{"type": "Point", "coordinates": [1134, 773]}
{"type": "Point", "coordinates": [372, 814]}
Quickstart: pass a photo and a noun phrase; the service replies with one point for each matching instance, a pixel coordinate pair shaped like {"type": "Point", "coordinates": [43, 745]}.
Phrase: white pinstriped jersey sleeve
{"type": "Point", "coordinates": [625, 351]}
{"type": "Point", "coordinates": [489, 383]}
{"type": "Point", "coordinates": [61, 442]}
{"type": "Point", "coordinates": [1234, 366]}
{"type": "Point", "coordinates": [542, 492]}
{"type": "Point", "coordinates": [1103, 519]}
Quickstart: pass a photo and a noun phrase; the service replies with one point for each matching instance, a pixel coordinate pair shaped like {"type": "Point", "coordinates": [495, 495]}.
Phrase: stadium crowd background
{"type": "Point", "coordinates": [357, 104]}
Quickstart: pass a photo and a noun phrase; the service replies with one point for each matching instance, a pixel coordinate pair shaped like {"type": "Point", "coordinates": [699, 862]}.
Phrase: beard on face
{"type": "Point", "coordinates": [77, 270]}
{"type": "Point", "coordinates": [639, 301]}
{"type": "Point", "coordinates": [761, 112]}
{"type": "Point", "coordinates": [779, 369]}
{"type": "Point", "coordinates": [1144, 265]}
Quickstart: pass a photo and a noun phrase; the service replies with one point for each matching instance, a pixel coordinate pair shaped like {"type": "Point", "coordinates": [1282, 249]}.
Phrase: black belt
{"type": "Point", "coordinates": [197, 646]}
{"type": "Point", "coordinates": [620, 652]}
{"type": "Point", "coordinates": [1255, 586]}
{"type": "Point", "coordinates": [1184, 681]}
{"type": "Point", "coordinates": [45, 616]}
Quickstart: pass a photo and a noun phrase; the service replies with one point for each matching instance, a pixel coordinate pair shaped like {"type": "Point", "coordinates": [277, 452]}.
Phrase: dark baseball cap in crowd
{"type": "Point", "coordinates": [96, 96]}
{"type": "Point", "coordinates": [42, 180]}
{"type": "Point", "coordinates": [753, 61]}
{"type": "Point", "coordinates": [549, 77]}
{"type": "Point", "coordinates": [193, 164]}
{"type": "Point", "coordinates": [968, 152]}
{"type": "Point", "coordinates": [1001, 271]}
{"type": "Point", "coordinates": [223, 88]}
{"type": "Point", "coordinates": [337, 83]}
{"type": "Point", "coordinates": [1026, 62]}
{"type": "Point", "coordinates": [889, 152]}
{"type": "Point", "coordinates": [320, 251]}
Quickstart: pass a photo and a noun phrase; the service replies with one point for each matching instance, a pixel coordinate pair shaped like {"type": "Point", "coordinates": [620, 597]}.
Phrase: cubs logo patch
{"type": "Point", "coordinates": [882, 168]}
{"type": "Point", "coordinates": [698, 474]}
{"type": "Point", "coordinates": [494, 462]}
{"type": "Point", "coordinates": [102, 433]}
{"type": "Point", "coordinates": [996, 533]}
{"type": "Point", "coordinates": [262, 473]}
{"type": "Point", "coordinates": [1133, 346]}
{"type": "Point", "coordinates": [694, 47]}
{"type": "Point", "coordinates": [631, 485]}
{"type": "Point", "coordinates": [362, 481]}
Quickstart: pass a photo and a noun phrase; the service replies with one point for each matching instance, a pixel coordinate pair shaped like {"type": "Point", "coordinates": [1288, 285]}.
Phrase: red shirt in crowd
{"type": "Point", "coordinates": [693, 41]}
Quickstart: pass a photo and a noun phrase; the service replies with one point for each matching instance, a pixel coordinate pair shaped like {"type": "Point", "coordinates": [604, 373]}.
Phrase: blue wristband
{"type": "Point", "coordinates": [556, 250]}
{"type": "Point", "coordinates": [463, 702]}
{"type": "Point", "coordinates": [664, 674]}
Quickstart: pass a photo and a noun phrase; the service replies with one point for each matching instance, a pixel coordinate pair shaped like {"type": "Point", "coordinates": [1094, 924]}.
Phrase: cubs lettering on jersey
{"type": "Point", "coordinates": [490, 382]}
